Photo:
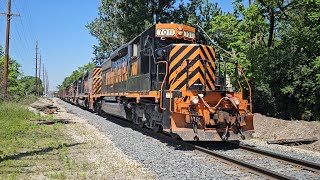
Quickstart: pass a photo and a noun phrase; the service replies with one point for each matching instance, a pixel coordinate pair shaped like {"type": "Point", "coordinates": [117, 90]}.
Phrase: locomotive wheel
{"type": "Point", "coordinates": [151, 124]}
{"type": "Point", "coordinates": [95, 109]}
{"type": "Point", "coordinates": [156, 127]}
{"type": "Point", "coordinates": [140, 122]}
{"type": "Point", "coordinates": [134, 117]}
{"type": "Point", "coordinates": [153, 118]}
{"type": "Point", "coordinates": [98, 107]}
{"type": "Point", "coordinates": [148, 122]}
{"type": "Point", "coordinates": [129, 115]}
{"type": "Point", "coordinates": [86, 104]}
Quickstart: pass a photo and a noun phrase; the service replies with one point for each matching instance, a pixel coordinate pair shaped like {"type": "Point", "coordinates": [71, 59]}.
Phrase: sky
{"type": "Point", "coordinates": [59, 27]}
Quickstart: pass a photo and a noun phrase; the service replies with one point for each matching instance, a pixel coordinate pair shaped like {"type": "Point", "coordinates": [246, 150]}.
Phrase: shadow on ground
{"type": "Point", "coordinates": [37, 152]}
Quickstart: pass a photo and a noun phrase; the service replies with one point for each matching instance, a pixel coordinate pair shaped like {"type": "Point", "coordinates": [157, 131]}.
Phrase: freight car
{"type": "Point", "coordinates": [84, 91]}
{"type": "Point", "coordinates": [168, 78]}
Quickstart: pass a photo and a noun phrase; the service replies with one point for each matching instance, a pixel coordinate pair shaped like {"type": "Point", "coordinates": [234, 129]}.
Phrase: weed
{"type": "Point", "coordinates": [24, 144]}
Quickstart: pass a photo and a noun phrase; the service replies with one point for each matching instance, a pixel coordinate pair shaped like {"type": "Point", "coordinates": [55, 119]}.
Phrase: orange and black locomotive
{"type": "Point", "coordinates": [169, 79]}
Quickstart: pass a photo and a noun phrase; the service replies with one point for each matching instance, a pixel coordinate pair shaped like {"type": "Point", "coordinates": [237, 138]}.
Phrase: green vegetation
{"type": "Point", "coordinates": [19, 86]}
{"type": "Point", "coordinates": [76, 75]}
{"type": "Point", "coordinates": [25, 144]}
{"type": "Point", "coordinates": [275, 41]}
{"type": "Point", "coordinates": [27, 83]}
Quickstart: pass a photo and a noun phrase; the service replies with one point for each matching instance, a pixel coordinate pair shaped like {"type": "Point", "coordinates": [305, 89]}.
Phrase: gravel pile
{"type": "Point", "coordinates": [272, 128]}
{"type": "Point", "coordinates": [165, 160]}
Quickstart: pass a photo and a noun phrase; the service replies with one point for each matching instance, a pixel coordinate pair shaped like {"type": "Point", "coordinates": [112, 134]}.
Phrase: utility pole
{"type": "Point", "coordinates": [6, 53]}
{"type": "Point", "coordinates": [39, 85]}
{"type": "Point", "coordinates": [43, 81]}
{"type": "Point", "coordinates": [47, 81]}
{"type": "Point", "coordinates": [36, 84]}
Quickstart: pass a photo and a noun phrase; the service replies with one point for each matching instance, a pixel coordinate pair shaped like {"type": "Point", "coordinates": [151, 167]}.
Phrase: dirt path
{"type": "Point", "coordinates": [91, 155]}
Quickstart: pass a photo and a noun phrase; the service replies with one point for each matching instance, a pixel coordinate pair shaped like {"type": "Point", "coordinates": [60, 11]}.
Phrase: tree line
{"type": "Point", "coordinates": [19, 85]}
{"type": "Point", "coordinates": [277, 42]}
{"type": "Point", "coordinates": [75, 75]}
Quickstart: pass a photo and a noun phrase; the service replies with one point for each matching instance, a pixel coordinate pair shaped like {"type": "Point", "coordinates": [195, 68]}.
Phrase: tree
{"type": "Point", "coordinates": [14, 73]}
{"type": "Point", "coordinates": [75, 75]}
{"type": "Point", "coordinates": [28, 85]}
{"type": "Point", "coordinates": [120, 21]}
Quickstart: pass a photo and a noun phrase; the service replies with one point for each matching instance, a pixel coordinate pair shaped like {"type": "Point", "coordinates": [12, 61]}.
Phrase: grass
{"type": "Point", "coordinates": [25, 144]}
{"type": "Point", "coordinates": [29, 150]}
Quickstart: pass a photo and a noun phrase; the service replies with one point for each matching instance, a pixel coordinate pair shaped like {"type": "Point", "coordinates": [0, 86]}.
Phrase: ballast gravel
{"type": "Point", "coordinates": [272, 164]}
{"type": "Point", "coordinates": [291, 151]}
{"type": "Point", "coordinates": [163, 159]}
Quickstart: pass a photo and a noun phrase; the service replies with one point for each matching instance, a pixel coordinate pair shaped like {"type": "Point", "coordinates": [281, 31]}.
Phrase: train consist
{"type": "Point", "coordinates": [167, 79]}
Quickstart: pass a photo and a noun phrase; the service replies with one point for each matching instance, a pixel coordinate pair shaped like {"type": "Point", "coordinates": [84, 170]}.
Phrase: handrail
{"type": "Point", "coordinates": [250, 91]}
{"type": "Point", "coordinates": [162, 84]}
{"type": "Point", "coordinates": [239, 84]}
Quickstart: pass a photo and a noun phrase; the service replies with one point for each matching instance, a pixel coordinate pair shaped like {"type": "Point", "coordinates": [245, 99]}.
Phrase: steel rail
{"type": "Point", "coordinates": [295, 161]}
{"type": "Point", "coordinates": [256, 169]}
{"type": "Point", "coordinates": [168, 139]}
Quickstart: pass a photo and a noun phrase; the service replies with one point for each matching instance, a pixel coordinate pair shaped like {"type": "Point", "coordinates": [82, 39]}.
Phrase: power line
{"type": "Point", "coordinates": [25, 31]}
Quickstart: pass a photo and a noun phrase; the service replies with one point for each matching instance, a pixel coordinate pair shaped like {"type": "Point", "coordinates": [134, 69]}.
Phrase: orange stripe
{"type": "Point", "coordinates": [191, 69]}
{"type": "Point", "coordinates": [174, 50]}
{"type": "Point", "coordinates": [177, 82]}
{"type": "Point", "coordinates": [208, 79]}
{"type": "Point", "coordinates": [210, 58]}
{"type": "Point", "coordinates": [173, 74]}
{"type": "Point", "coordinates": [212, 51]}
{"type": "Point", "coordinates": [180, 56]}
{"type": "Point", "coordinates": [195, 78]}
{"type": "Point", "coordinates": [207, 52]}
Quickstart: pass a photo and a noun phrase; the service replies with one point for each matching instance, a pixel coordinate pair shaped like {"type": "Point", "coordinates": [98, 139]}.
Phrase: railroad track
{"type": "Point", "coordinates": [242, 164]}
{"type": "Point", "coordinates": [260, 170]}
{"type": "Point", "coordinates": [264, 172]}
{"type": "Point", "coordinates": [294, 161]}
{"type": "Point", "coordinates": [249, 167]}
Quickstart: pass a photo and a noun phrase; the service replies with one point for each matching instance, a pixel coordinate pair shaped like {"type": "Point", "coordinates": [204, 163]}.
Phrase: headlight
{"type": "Point", "coordinates": [194, 100]}
{"type": "Point", "coordinates": [180, 33]}
{"type": "Point", "coordinates": [237, 100]}
{"type": "Point", "coordinates": [180, 28]}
